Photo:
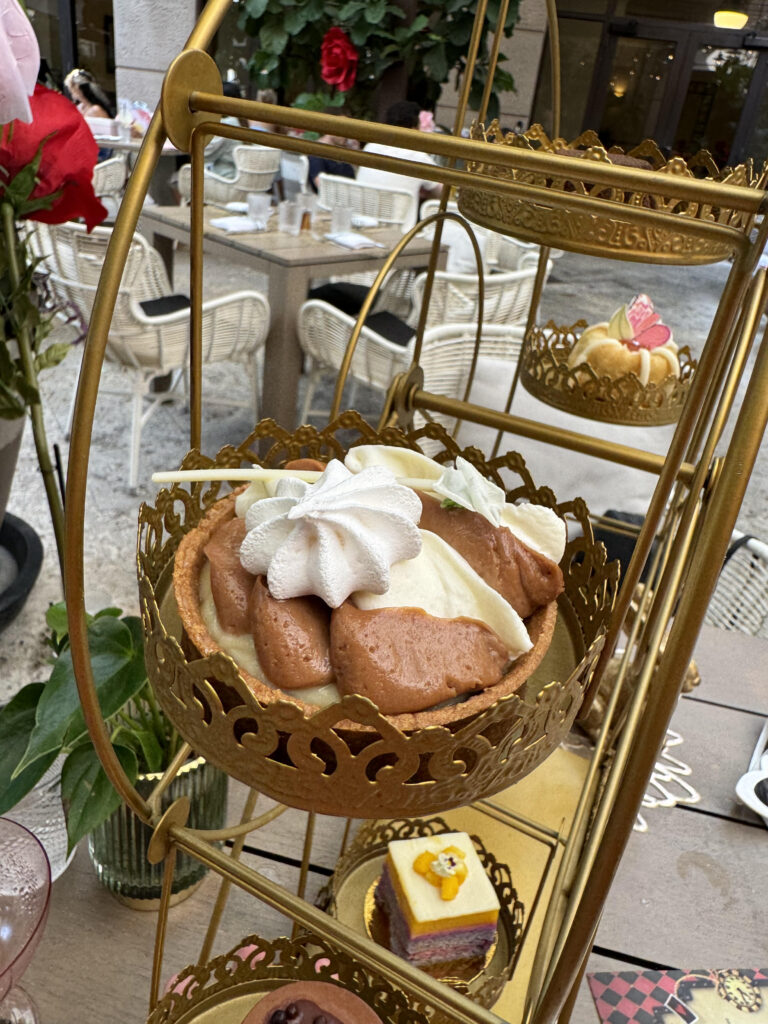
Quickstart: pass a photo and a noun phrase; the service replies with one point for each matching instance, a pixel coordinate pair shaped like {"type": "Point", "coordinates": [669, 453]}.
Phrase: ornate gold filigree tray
{"type": "Point", "coordinates": [224, 990]}
{"type": "Point", "coordinates": [544, 373]}
{"type": "Point", "coordinates": [349, 897]}
{"type": "Point", "coordinates": [348, 759]}
{"type": "Point", "coordinates": [630, 216]}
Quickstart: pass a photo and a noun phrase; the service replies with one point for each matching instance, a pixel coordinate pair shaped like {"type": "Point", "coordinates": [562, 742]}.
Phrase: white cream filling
{"type": "Point", "coordinates": [535, 525]}
{"type": "Point", "coordinates": [443, 584]}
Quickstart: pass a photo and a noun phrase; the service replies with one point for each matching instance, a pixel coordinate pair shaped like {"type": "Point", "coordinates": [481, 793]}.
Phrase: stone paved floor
{"type": "Point", "coordinates": [580, 286]}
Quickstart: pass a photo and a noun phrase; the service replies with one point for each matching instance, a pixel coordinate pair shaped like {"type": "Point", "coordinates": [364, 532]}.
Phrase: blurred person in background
{"type": "Point", "coordinates": [403, 114]}
{"type": "Point", "coordinates": [87, 95]}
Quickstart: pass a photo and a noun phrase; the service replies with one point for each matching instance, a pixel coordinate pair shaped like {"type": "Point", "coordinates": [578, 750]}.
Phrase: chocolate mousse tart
{"type": "Point", "coordinates": [429, 653]}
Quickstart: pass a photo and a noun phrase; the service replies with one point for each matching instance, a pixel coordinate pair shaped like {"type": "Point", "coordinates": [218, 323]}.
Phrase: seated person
{"type": "Point", "coordinates": [403, 114]}
{"type": "Point", "coordinates": [87, 95]}
{"type": "Point", "coordinates": [90, 99]}
{"type": "Point", "coordinates": [219, 153]}
{"type": "Point", "coordinates": [324, 165]}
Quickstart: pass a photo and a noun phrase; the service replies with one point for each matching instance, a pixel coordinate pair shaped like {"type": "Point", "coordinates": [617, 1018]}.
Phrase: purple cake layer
{"type": "Point", "coordinates": [435, 947]}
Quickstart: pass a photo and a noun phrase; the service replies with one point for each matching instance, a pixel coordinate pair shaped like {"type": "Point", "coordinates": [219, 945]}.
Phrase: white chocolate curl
{"type": "Point", "coordinates": [467, 487]}
{"type": "Point", "coordinates": [333, 537]}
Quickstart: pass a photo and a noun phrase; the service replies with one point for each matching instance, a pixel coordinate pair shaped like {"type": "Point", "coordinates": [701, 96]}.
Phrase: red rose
{"type": "Point", "coordinates": [338, 60]}
{"type": "Point", "coordinates": [66, 164]}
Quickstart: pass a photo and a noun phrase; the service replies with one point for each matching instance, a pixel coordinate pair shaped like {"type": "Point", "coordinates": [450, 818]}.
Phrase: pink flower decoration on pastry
{"type": "Point", "coordinates": [638, 326]}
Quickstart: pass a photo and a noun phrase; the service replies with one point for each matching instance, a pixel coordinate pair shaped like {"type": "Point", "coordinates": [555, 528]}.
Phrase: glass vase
{"type": "Point", "coordinates": [118, 847]}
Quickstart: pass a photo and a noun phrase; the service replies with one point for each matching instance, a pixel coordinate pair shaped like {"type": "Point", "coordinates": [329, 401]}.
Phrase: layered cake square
{"type": "Point", "coordinates": [438, 899]}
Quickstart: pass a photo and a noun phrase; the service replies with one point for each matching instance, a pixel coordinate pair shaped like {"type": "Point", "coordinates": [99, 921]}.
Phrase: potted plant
{"type": "Point", "coordinates": [44, 721]}
{"type": "Point", "coordinates": [47, 156]}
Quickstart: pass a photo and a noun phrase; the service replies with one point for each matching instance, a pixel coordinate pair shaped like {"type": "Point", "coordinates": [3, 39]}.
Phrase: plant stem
{"type": "Point", "coordinates": [35, 408]}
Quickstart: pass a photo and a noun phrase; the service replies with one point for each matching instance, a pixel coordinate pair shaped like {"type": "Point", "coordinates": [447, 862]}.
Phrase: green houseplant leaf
{"type": "Point", "coordinates": [88, 796]}
{"type": "Point", "coordinates": [17, 720]}
{"type": "Point", "coordinates": [117, 659]}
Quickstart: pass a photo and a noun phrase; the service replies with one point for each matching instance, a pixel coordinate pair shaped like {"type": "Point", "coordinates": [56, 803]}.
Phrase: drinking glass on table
{"type": "Point", "coordinates": [289, 214]}
{"type": "Point", "coordinates": [259, 208]}
{"type": "Point", "coordinates": [341, 219]}
{"type": "Point", "coordinates": [25, 889]}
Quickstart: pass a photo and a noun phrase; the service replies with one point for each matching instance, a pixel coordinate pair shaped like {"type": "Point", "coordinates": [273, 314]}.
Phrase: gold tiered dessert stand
{"type": "Point", "coordinates": [678, 219]}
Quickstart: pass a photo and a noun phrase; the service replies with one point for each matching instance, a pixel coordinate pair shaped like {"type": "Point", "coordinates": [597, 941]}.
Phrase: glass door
{"type": "Point", "coordinates": [714, 101]}
{"type": "Point", "coordinates": [641, 74]}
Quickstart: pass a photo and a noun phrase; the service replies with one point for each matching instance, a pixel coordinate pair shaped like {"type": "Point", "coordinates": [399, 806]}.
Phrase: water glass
{"type": "Point", "coordinates": [289, 214]}
{"type": "Point", "coordinates": [341, 219]}
{"type": "Point", "coordinates": [259, 204]}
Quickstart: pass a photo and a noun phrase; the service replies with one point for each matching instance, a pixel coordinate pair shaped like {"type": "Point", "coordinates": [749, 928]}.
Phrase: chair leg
{"type": "Point", "coordinates": [257, 375]}
{"type": "Point", "coordinates": [139, 388]}
{"type": "Point", "coordinates": [309, 394]}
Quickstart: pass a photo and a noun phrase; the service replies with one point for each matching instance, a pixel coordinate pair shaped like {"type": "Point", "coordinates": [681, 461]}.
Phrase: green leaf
{"type": "Point", "coordinates": [349, 10]}
{"type": "Point", "coordinates": [118, 671]}
{"type": "Point", "coordinates": [151, 750]}
{"type": "Point", "coordinates": [435, 62]}
{"type": "Point", "coordinates": [273, 38]}
{"type": "Point", "coordinates": [52, 356]}
{"type": "Point", "coordinates": [256, 8]}
{"type": "Point", "coordinates": [56, 619]}
{"type": "Point", "coordinates": [17, 719]}
{"type": "Point", "coordinates": [87, 794]}
{"type": "Point", "coordinates": [376, 11]}
{"type": "Point", "coordinates": [295, 19]}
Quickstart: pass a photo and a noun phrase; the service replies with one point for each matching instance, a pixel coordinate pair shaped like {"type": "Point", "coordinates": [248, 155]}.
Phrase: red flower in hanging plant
{"type": "Point", "coordinates": [338, 60]}
{"type": "Point", "coordinates": [67, 159]}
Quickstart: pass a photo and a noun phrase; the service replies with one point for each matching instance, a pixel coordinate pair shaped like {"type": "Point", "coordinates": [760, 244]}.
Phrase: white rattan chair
{"type": "Point", "coordinates": [324, 331]}
{"type": "Point", "coordinates": [446, 359]}
{"type": "Point", "coordinates": [740, 599]}
{"type": "Point", "coordinates": [256, 166]}
{"type": "Point", "coordinates": [323, 335]}
{"type": "Point", "coordinates": [109, 179]}
{"type": "Point", "coordinates": [294, 174]}
{"type": "Point", "coordinates": [147, 342]}
{"type": "Point", "coordinates": [455, 297]}
{"type": "Point", "coordinates": [392, 207]}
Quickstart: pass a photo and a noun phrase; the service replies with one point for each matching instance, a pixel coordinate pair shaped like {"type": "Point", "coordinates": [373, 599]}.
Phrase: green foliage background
{"type": "Point", "coordinates": [431, 46]}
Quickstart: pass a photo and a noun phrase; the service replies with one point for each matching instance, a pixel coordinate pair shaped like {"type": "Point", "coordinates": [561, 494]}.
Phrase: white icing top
{"type": "Point", "coordinates": [476, 895]}
{"type": "Point", "coordinates": [333, 537]}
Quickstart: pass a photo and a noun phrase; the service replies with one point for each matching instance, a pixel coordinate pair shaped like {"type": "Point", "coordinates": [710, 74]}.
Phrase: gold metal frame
{"type": "Point", "coordinates": [692, 511]}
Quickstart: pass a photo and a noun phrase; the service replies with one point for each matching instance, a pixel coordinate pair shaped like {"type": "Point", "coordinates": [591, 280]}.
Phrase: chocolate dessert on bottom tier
{"type": "Point", "coordinates": [311, 1002]}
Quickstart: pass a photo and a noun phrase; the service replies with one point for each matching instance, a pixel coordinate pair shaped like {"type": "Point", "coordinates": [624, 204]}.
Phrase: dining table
{"type": "Point", "coordinates": [689, 892]}
{"type": "Point", "coordinates": [291, 263]}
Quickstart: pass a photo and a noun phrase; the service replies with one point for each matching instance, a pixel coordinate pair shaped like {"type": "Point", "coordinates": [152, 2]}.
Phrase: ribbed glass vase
{"type": "Point", "coordinates": [118, 848]}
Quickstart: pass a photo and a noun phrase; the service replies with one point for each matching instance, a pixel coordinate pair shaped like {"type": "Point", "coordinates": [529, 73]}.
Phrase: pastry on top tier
{"type": "Point", "coordinates": [359, 583]}
{"type": "Point", "coordinates": [311, 1002]}
{"type": "Point", "coordinates": [438, 899]}
{"type": "Point", "coordinates": [633, 341]}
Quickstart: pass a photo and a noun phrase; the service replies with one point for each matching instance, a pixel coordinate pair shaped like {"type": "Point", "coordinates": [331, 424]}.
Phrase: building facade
{"type": "Point", "coordinates": [632, 69]}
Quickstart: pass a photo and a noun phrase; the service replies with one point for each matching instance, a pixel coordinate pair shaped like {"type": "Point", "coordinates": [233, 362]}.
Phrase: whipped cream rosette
{"type": "Point", "coordinates": [332, 537]}
{"type": "Point", "coordinates": [390, 576]}
{"type": "Point", "coordinates": [634, 341]}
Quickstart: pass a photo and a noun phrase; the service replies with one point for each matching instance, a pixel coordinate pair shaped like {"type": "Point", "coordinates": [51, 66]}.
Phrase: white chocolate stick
{"type": "Point", "coordinates": [253, 473]}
